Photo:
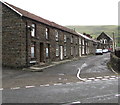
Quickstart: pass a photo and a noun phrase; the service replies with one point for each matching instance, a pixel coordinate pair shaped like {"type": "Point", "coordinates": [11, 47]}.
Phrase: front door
{"type": "Point", "coordinates": [41, 52]}
{"type": "Point", "coordinates": [61, 52]}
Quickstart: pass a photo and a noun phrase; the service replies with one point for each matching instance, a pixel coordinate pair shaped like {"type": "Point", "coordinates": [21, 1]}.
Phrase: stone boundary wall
{"type": "Point", "coordinates": [115, 62]}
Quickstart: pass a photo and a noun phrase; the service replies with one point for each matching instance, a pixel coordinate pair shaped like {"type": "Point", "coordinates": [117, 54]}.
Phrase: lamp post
{"type": "Point", "coordinates": [113, 41]}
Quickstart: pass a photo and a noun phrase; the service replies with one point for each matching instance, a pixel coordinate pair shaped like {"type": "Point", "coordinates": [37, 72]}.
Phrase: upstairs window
{"type": "Point", "coordinates": [76, 40]}
{"type": "Point", "coordinates": [47, 33]}
{"type": "Point", "coordinates": [33, 30]}
{"type": "Point", "coordinates": [79, 40]}
{"type": "Point", "coordinates": [65, 38]}
{"type": "Point", "coordinates": [83, 42]}
{"type": "Point", "coordinates": [71, 39]}
{"type": "Point", "coordinates": [56, 35]}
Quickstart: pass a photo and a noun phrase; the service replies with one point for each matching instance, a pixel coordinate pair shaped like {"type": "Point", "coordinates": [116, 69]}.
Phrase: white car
{"type": "Point", "coordinates": [99, 51]}
{"type": "Point", "coordinates": [105, 50]}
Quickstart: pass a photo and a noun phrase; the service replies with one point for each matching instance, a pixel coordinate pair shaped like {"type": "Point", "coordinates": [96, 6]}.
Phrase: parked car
{"type": "Point", "coordinates": [110, 50]}
{"type": "Point", "coordinates": [105, 50]}
{"type": "Point", "coordinates": [99, 51]}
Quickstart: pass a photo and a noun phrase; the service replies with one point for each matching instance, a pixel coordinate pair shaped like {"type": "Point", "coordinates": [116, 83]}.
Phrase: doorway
{"type": "Point", "coordinates": [41, 52]}
{"type": "Point", "coordinates": [61, 52]}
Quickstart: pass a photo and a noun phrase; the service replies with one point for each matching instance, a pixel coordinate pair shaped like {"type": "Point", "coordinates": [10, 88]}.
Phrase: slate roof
{"type": "Point", "coordinates": [29, 15]}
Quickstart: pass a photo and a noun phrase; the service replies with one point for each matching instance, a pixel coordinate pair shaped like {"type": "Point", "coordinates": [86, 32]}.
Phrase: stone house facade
{"type": "Point", "coordinates": [28, 39]}
{"type": "Point", "coordinates": [106, 40]}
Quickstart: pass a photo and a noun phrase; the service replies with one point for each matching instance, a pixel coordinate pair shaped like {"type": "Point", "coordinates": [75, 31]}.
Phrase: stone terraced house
{"type": "Point", "coordinates": [28, 39]}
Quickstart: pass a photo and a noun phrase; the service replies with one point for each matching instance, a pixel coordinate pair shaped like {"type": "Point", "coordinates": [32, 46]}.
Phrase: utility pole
{"type": "Point", "coordinates": [113, 42]}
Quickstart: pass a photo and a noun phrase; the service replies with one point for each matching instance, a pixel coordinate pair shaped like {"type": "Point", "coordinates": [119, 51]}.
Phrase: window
{"type": "Point", "coordinates": [65, 50]}
{"type": "Point", "coordinates": [71, 50]}
{"type": "Point", "coordinates": [48, 50]}
{"type": "Point", "coordinates": [56, 35]}
{"type": "Point", "coordinates": [47, 33]}
{"type": "Point", "coordinates": [83, 42]}
{"type": "Point", "coordinates": [57, 50]}
{"type": "Point", "coordinates": [79, 40]}
{"type": "Point", "coordinates": [33, 30]}
{"type": "Point", "coordinates": [76, 40]}
{"type": "Point", "coordinates": [33, 50]}
{"type": "Point", "coordinates": [71, 39]}
{"type": "Point", "coordinates": [76, 50]}
{"type": "Point", "coordinates": [65, 38]}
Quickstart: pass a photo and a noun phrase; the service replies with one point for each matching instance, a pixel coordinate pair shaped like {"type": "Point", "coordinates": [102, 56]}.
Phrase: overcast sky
{"type": "Point", "coordinates": [73, 12]}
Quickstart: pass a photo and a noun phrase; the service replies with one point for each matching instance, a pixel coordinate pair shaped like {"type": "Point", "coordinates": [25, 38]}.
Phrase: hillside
{"type": "Point", "coordinates": [96, 30]}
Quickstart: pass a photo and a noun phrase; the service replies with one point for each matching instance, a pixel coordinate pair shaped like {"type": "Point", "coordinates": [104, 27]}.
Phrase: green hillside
{"type": "Point", "coordinates": [96, 30]}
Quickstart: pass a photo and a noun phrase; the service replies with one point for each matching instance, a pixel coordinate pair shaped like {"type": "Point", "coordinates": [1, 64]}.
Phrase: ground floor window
{"type": "Point", "coordinates": [57, 50]}
{"type": "Point", "coordinates": [83, 50]}
{"type": "Point", "coordinates": [65, 50]}
{"type": "Point", "coordinates": [76, 51]}
{"type": "Point", "coordinates": [48, 50]}
{"type": "Point", "coordinates": [33, 50]}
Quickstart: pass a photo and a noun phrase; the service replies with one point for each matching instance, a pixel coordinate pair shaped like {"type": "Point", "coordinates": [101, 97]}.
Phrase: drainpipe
{"type": "Point", "coordinates": [27, 64]}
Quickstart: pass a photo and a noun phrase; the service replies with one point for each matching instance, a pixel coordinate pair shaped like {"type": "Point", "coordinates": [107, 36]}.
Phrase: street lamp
{"type": "Point", "coordinates": [113, 41]}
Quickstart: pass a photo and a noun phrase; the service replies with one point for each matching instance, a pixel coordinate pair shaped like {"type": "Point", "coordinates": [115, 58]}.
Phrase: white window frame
{"type": "Point", "coordinates": [32, 50]}
{"type": "Point", "coordinates": [56, 35]}
{"type": "Point", "coordinates": [80, 41]}
{"type": "Point", "coordinates": [71, 50]}
{"type": "Point", "coordinates": [65, 51]}
{"type": "Point", "coordinates": [33, 30]}
{"type": "Point", "coordinates": [65, 38]}
{"type": "Point", "coordinates": [57, 50]}
{"type": "Point", "coordinates": [47, 33]}
{"type": "Point", "coordinates": [71, 39]}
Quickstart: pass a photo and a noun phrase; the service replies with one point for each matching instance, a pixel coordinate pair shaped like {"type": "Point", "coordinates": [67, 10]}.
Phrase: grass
{"type": "Point", "coordinates": [95, 31]}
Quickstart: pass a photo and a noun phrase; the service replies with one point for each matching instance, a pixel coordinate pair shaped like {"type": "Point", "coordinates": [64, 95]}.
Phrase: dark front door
{"type": "Point", "coordinates": [41, 52]}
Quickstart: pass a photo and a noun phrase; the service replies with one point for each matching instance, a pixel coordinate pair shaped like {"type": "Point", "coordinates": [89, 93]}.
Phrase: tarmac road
{"type": "Point", "coordinates": [60, 84]}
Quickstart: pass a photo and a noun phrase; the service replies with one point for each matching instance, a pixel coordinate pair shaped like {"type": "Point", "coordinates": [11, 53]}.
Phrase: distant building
{"type": "Point", "coordinates": [106, 40]}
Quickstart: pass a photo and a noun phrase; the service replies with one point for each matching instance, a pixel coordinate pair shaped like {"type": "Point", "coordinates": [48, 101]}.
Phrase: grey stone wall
{"type": "Point", "coordinates": [13, 39]}
{"type": "Point", "coordinates": [115, 62]}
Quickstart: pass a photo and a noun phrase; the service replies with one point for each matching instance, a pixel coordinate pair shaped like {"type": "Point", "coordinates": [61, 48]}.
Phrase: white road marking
{"type": "Point", "coordinates": [47, 85]}
{"type": "Point", "coordinates": [104, 79]}
{"type": "Point", "coordinates": [60, 78]}
{"type": "Point", "coordinates": [117, 95]}
{"type": "Point", "coordinates": [61, 74]}
{"type": "Point", "coordinates": [68, 83]}
{"type": "Point", "coordinates": [99, 77]}
{"type": "Point", "coordinates": [29, 86]}
{"type": "Point", "coordinates": [79, 70]}
{"type": "Point", "coordinates": [88, 80]}
{"type": "Point", "coordinates": [1, 88]}
{"type": "Point", "coordinates": [96, 79]}
{"type": "Point", "coordinates": [106, 76]}
{"type": "Point", "coordinates": [76, 102]}
{"type": "Point", "coordinates": [57, 84]}
{"type": "Point", "coordinates": [15, 88]}
{"type": "Point", "coordinates": [41, 85]}
{"type": "Point", "coordinates": [111, 78]}
{"type": "Point", "coordinates": [91, 78]}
